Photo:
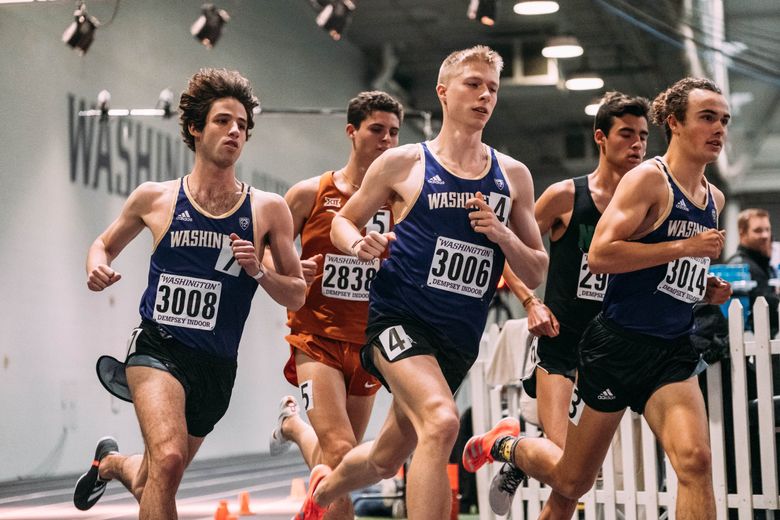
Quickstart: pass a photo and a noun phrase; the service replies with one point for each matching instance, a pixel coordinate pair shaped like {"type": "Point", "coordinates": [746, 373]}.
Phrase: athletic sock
{"type": "Point", "coordinates": [504, 448]}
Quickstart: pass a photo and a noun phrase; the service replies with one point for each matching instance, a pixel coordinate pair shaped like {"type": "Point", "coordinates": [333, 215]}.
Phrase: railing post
{"type": "Point", "coordinates": [766, 408]}
{"type": "Point", "coordinates": [740, 415]}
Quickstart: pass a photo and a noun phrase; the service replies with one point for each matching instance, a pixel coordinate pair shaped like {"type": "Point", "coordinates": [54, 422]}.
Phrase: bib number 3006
{"type": "Point", "coordinates": [187, 302]}
{"type": "Point", "coordinates": [460, 267]}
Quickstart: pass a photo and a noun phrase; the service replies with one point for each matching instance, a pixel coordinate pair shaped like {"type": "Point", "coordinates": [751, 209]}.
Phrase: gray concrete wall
{"type": "Point", "coordinates": [64, 178]}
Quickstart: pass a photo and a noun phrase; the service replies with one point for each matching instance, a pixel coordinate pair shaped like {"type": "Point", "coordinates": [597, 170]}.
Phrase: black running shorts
{"type": "Point", "coordinates": [618, 368]}
{"type": "Point", "coordinates": [207, 379]}
{"type": "Point", "coordinates": [558, 355]}
{"type": "Point", "coordinates": [398, 338]}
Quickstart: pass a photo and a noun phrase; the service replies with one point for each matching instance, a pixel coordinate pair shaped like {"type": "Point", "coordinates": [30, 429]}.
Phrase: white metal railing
{"type": "Point", "coordinates": [631, 485]}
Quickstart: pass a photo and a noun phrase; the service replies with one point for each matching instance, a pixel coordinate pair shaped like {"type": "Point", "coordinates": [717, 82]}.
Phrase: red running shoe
{"type": "Point", "coordinates": [310, 510]}
{"type": "Point", "coordinates": [477, 450]}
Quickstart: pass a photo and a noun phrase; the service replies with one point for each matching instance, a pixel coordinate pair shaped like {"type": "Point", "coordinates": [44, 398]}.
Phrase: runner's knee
{"type": "Point", "coordinates": [692, 462]}
{"type": "Point", "coordinates": [574, 486]}
{"type": "Point", "coordinates": [440, 426]}
{"type": "Point", "coordinates": [169, 464]}
{"type": "Point", "coordinates": [386, 467]}
{"type": "Point", "coordinates": [334, 447]}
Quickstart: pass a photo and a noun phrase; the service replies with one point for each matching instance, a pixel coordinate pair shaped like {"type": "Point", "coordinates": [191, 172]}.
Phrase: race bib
{"type": "Point", "coordinates": [591, 286]}
{"type": "Point", "coordinates": [686, 279]}
{"type": "Point", "coordinates": [500, 204]}
{"type": "Point", "coordinates": [460, 267]}
{"type": "Point", "coordinates": [395, 341]}
{"type": "Point", "coordinates": [380, 222]}
{"type": "Point", "coordinates": [348, 278]}
{"type": "Point", "coordinates": [187, 302]}
{"type": "Point", "coordinates": [576, 406]}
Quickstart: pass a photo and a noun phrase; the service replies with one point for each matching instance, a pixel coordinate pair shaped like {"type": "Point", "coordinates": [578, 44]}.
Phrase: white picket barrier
{"type": "Point", "coordinates": [632, 484]}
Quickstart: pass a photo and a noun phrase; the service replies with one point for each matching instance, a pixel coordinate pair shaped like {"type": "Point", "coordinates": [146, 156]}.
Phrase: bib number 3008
{"type": "Point", "coordinates": [187, 302]}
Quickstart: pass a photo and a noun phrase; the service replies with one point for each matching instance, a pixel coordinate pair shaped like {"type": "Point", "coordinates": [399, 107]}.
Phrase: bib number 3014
{"type": "Point", "coordinates": [686, 279]}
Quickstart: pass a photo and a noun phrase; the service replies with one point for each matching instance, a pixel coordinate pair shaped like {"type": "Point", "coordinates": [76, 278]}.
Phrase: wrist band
{"type": "Point", "coordinates": [528, 300]}
{"type": "Point", "coordinates": [259, 275]}
{"type": "Point", "coordinates": [354, 245]}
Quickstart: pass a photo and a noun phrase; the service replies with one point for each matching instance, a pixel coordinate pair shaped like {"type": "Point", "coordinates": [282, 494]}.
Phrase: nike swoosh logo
{"type": "Point", "coordinates": [332, 211]}
{"type": "Point", "coordinates": [371, 385]}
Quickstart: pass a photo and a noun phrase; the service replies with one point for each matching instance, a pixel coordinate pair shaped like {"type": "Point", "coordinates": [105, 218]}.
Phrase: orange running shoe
{"type": "Point", "coordinates": [477, 450]}
{"type": "Point", "coordinates": [310, 510]}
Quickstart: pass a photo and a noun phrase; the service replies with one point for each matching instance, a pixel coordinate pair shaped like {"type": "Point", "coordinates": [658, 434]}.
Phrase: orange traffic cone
{"type": "Point", "coordinates": [243, 499]}
{"type": "Point", "coordinates": [297, 489]}
{"type": "Point", "coordinates": [452, 474]}
{"type": "Point", "coordinates": [222, 511]}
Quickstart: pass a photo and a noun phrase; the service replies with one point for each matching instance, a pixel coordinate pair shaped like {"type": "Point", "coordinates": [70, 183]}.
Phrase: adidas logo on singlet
{"type": "Point", "coordinates": [681, 205]}
{"type": "Point", "coordinates": [185, 216]}
{"type": "Point", "coordinates": [606, 395]}
{"type": "Point", "coordinates": [435, 180]}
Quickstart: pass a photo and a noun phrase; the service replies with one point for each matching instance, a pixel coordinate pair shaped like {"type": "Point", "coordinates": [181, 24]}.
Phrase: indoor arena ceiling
{"type": "Point", "coordinates": [635, 45]}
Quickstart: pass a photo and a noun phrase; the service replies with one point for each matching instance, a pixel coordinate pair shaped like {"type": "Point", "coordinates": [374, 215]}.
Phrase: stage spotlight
{"type": "Point", "coordinates": [208, 27]}
{"type": "Point", "coordinates": [335, 16]}
{"type": "Point", "coordinates": [81, 32]}
{"type": "Point", "coordinates": [482, 10]}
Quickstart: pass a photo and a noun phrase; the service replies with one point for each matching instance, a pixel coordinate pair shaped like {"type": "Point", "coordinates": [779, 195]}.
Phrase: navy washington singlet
{"type": "Point", "coordinates": [440, 271]}
{"type": "Point", "coordinates": [197, 291]}
{"type": "Point", "coordinates": [658, 301]}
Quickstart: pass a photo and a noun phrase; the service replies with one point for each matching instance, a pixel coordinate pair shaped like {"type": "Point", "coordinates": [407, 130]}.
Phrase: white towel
{"type": "Point", "coordinates": [506, 365]}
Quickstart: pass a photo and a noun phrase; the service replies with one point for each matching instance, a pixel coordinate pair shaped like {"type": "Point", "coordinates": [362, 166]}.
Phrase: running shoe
{"type": "Point", "coordinates": [503, 488]}
{"type": "Point", "coordinates": [288, 407]}
{"type": "Point", "coordinates": [477, 450]}
{"type": "Point", "coordinates": [89, 487]}
{"type": "Point", "coordinates": [309, 509]}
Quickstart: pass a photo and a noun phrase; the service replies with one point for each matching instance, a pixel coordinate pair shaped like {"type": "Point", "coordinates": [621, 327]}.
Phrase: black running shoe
{"type": "Point", "coordinates": [503, 488]}
{"type": "Point", "coordinates": [89, 487]}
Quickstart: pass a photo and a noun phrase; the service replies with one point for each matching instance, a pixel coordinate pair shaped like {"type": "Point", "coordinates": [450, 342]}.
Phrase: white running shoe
{"type": "Point", "coordinates": [288, 407]}
{"type": "Point", "coordinates": [503, 488]}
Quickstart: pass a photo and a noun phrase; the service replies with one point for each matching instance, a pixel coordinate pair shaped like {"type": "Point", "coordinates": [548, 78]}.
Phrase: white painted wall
{"type": "Point", "coordinates": [52, 406]}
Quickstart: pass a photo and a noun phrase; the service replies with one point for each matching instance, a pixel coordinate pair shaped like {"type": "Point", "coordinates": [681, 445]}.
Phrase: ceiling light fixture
{"type": "Point", "coordinates": [81, 32]}
{"type": "Point", "coordinates": [482, 10]}
{"type": "Point", "coordinates": [584, 81]}
{"type": "Point", "coordinates": [335, 17]}
{"type": "Point", "coordinates": [593, 108]}
{"type": "Point", "coordinates": [562, 47]}
{"type": "Point", "coordinates": [208, 27]}
{"type": "Point", "coordinates": [533, 8]}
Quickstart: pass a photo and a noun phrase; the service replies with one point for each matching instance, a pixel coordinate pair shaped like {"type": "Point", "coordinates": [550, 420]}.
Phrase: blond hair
{"type": "Point", "coordinates": [457, 59]}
